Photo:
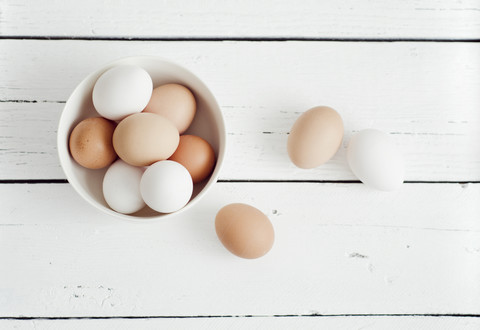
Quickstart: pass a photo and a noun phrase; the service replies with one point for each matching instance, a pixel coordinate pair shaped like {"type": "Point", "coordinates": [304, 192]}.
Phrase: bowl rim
{"type": "Point", "coordinates": [221, 127]}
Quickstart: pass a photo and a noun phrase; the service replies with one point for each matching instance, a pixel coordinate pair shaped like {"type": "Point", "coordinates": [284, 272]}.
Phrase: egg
{"type": "Point", "coordinates": [121, 187]}
{"type": "Point", "coordinates": [145, 138]}
{"type": "Point", "coordinates": [90, 143]}
{"type": "Point", "coordinates": [166, 186]}
{"type": "Point", "coordinates": [315, 137]}
{"type": "Point", "coordinates": [244, 230]}
{"type": "Point", "coordinates": [196, 155]}
{"type": "Point", "coordinates": [176, 103]}
{"type": "Point", "coordinates": [121, 91]}
{"type": "Point", "coordinates": [374, 158]}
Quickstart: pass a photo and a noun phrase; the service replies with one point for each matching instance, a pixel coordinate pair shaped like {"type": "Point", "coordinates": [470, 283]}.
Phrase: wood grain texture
{"type": "Point", "coordinates": [304, 323]}
{"type": "Point", "coordinates": [424, 94]}
{"type": "Point", "coordinates": [340, 248]}
{"type": "Point", "coordinates": [226, 19]}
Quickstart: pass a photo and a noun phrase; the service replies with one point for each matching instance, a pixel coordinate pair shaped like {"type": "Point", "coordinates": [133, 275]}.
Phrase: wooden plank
{"type": "Point", "coordinates": [180, 19]}
{"type": "Point", "coordinates": [410, 322]}
{"type": "Point", "coordinates": [425, 95]}
{"type": "Point", "coordinates": [28, 140]}
{"type": "Point", "coordinates": [340, 249]}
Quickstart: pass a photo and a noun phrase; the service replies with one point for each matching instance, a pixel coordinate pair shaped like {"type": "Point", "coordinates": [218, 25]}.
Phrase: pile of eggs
{"type": "Point", "coordinates": [139, 136]}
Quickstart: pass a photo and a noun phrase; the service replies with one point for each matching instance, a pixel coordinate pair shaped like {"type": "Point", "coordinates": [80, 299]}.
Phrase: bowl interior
{"type": "Point", "coordinates": [208, 124]}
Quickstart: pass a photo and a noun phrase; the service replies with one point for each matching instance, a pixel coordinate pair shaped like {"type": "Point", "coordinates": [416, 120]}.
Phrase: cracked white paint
{"type": "Point", "coordinates": [340, 248]}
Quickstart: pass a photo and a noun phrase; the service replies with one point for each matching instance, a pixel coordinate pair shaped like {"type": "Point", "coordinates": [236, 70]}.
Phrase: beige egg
{"type": "Point", "coordinates": [145, 138]}
{"type": "Point", "coordinates": [90, 143]}
{"type": "Point", "coordinates": [176, 103]}
{"type": "Point", "coordinates": [244, 230]}
{"type": "Point", "coordinates": [315, 137]}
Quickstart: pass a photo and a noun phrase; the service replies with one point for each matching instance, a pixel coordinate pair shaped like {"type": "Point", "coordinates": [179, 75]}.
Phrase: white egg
{"type": "Point", "coordinates": [121, 187]}
{"type": "Point", "coordinates": [374, 158]}
{"type": "Point", "coordinates": [121, 91]}
{"type": "Point", "coordinates": [166, 186]}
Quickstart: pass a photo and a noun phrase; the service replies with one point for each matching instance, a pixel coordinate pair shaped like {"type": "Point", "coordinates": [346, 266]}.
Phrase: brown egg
{"type": "Point", "coordinates": [175, 102]}
{"type": "Point", "coordinates": [244, 230]}
{"type": "Point", "coordinates": [196, 155]}
{"type": "Point", "coordinates": [315, 137]}
{"type": "Point", "coordinates": [142, 139]}
{"type": "Point", "coordinates": [91, 143]}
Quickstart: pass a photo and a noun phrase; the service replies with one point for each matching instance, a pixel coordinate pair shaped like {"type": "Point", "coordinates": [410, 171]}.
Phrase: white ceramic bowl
{"type": "Point", "coordinates": [208, 124]}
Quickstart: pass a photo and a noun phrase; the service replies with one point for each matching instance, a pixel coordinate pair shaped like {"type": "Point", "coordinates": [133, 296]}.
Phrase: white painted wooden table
{"type": "Point", "coordinates": [345, 256]}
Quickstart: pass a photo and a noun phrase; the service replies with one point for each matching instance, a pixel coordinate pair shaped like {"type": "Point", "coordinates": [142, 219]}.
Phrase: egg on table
{"type": "Point", "coordinates": [244, 230]}
{"type": "Point", "coordinates": [91, 144]}
{"type": "Point", "coordinates": [375, 159]}
{"type": "Point", "coordinates": [315, 137]}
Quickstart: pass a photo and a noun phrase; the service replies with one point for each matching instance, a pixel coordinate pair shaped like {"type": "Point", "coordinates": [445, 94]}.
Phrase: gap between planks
{"type": "Point", "coordinates": [247, 39]}
{"type": "Point", "coordinates": [227, 316]}
{"type": "Point", "coordinates": [64, 181]}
